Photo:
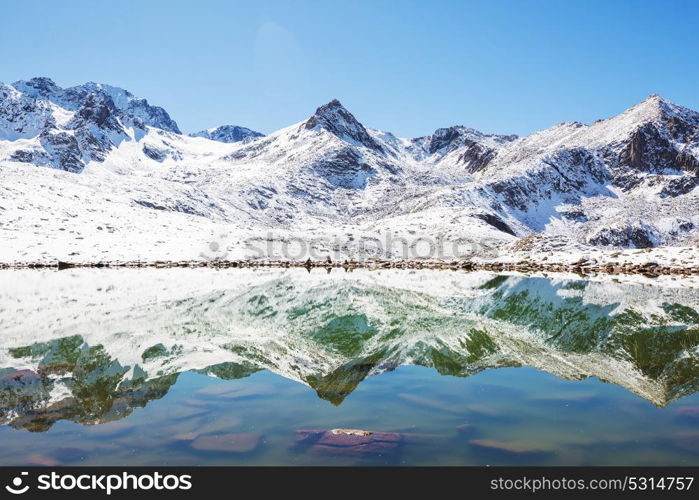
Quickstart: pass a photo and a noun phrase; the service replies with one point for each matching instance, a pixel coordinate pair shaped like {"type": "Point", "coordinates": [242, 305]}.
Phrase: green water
{"type": "Point", "coordinates": [154, 367]}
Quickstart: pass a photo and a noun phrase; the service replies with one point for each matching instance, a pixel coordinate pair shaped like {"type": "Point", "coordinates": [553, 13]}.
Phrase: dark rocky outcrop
{"type": "Point", "coordinates": [679, 186]}
{"type": "Point", "coordinates": [496, 222]}
{"type": "Point", "coordinates": [636, 235]}
{"type": "Point", "coordinates": [649, 151]}
{"type": "Point", "coordinates": [476, 156]}
{"type": "Point", "coordinates": [445, 140]}
{"type": "Point", "coordinates": [154, 153]}
{"type": "Point", "coordinates": [63, 148]}
{"type": "Point", "coordinates": [658, 146]}
{"type": "Point", "coordinates": [344, 168]}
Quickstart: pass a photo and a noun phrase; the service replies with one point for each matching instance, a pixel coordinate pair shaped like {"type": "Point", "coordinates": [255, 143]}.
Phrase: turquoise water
{"type": "Point", "coordinates": [170, 368]}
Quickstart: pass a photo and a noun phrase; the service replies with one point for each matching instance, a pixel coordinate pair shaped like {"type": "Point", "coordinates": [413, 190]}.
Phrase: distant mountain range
{"type": "Point", "coordinates": [227, 133]}
{"type": "Point", "coordinates": [625, 181]}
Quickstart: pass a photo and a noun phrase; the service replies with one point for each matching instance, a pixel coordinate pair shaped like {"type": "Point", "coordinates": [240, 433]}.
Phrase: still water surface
{"type": "Point", "coordinates": [205, 367]}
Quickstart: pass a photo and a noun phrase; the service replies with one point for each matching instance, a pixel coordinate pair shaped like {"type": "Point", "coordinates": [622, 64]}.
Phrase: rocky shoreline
{"type": "Point", "coordinates": [582, 266]}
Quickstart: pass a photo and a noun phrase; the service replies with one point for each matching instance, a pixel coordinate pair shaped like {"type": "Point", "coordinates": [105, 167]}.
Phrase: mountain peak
{"type": "Point", "coordinates": [335, 103]}
{"type": "Point", "coordinates": [654, 109]}
{"type": "Point", "coordinates": [39, 85]}
{"type": "Point", "coordinates": [335, 118]}
{"type": "Point", "coordinates": [154, 116]}
{"type": "Point", "coordinates": [658, 104]}
{"type": "Point", "coordinates": [332, 111]}
{"type": "Point", "coordinates": [655, 101]}
{"type": "Point", "coordinates": [228, 133]}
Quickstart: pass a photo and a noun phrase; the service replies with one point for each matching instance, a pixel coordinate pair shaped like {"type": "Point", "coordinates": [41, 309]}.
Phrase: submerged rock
{"type": "Point", "coordinates": [688, 441]}
{"type": "Point", "coordinates": [110, 429]}
{"type": "Point", "coordinates": [185, 436]}
{"type": "Point", "coordinates": [188, 412]}
{"type": "Point", "coordinates": [69, 454]}
{"type": "Point", "coordinates": [221, 424]}
{"type": "Point", "coordinates": [349, 441]}
{"type": "Point", "coordinates": [352, 432]}
{"type": "Point", "coordinates": [466, 430]}
{"type": "Point", "coordinates": [507, 448]}
{"type": "Point", "coordinates": [38, 460]}
{"type": "Point", "coordinates": [228, 443]}
{"type": "Point", "coordinates": [688, 414]}
{"type": "Point", "coordinates": [235, 391]}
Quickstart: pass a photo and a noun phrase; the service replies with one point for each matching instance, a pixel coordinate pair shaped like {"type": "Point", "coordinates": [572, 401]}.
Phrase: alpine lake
{"type": "Point", "coordinates": [391, 367]}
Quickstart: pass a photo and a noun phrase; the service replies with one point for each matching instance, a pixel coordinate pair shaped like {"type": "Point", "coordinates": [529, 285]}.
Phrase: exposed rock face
{"type": "Point", "coordinates": [476, 156]}
{"type": "Point", "coordinates": [474, 149]}
{"type": "Point", "coordinates": [62, 148]}
{"type": "Point", "coordinates": [154, 153]}
{"type": "Point", "coordinates": [496, 222]}
{"type": "Point", "coordinates": [445, 139]}
{"type": "Point", "coordinates": [664, 142]}
{"type": "Point", "coordinates": [638, 235]}
{"type": "Point", "coordinates": [44, 89]}
{"type": "Point", "coordinates": [345, 169]}
{"type": "Point", "coordinates": [129, 105]}
{"type": "Point", "coordinates": [22, 116]}
{"type": "Point", "coordinates": [680, 186]}
{"type": "Point", "coordinates": [97, 126]}
{"type": "Point", "coordinates": [649, 151]}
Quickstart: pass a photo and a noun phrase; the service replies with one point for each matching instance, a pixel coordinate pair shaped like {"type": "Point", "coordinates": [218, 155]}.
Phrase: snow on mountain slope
{"type": "Point", "coordinates": [627, 181]}
{"type": "Point", "coordinates": [227, 133]}
{"type": "Point", "coordinates": [73, 97]}
{"type": "Point", "coordinates": [46, 125]}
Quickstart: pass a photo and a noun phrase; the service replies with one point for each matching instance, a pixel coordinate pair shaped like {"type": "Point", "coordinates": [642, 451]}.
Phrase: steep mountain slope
{"type": "Point", "coordinates": [627, 181]}
{"type": "Point", "coordinates": [621, 180]}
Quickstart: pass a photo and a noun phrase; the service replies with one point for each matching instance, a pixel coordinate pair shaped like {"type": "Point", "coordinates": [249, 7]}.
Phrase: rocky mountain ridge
{"type": "Point", "coordinates": [627, 181]}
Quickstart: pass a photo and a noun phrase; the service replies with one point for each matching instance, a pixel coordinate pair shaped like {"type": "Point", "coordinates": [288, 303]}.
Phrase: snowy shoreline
{"type": "Point", "coordinates": [648, 262]}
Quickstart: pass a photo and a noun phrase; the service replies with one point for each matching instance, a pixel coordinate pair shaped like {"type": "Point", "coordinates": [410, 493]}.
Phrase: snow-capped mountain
{"type": "Point", "coordinates": [227, 133]}
{"type": "Point", "coordinates": [626, 181]}
{"type": "Point", "coordinates": [68, 128]}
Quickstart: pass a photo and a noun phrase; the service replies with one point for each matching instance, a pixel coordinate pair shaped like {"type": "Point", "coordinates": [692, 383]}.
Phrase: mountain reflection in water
{"type": "Point", "coordinates": [89, 346]}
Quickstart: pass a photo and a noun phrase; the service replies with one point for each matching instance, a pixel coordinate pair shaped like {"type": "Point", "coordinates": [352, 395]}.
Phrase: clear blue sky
{"type": "Point", "coordinates": [404, 66]}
